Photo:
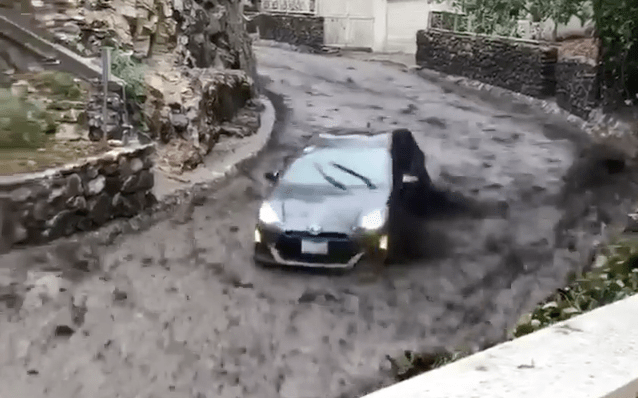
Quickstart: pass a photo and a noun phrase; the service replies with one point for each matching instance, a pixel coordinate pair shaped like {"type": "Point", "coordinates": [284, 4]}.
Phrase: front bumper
{"type": "Point", "coordinates": [273, 246]}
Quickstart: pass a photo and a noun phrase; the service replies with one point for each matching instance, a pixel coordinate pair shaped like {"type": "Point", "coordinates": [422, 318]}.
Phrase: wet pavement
{"type": "Point", "coordinates": [180, 310]}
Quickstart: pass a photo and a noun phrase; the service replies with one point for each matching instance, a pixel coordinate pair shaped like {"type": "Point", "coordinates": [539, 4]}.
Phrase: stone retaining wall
{"type": "Point", "coordinates": [522, 66]}
{"type": "Point", "coordinates": [577, 86]}
{"type": "Point", "coordinates": [298, 30]}
{"type": "Point", "coordinates": [37, 208]}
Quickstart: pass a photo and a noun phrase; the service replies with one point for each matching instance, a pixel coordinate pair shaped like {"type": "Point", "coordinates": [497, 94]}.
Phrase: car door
{"type": "Point", "coordinates": [411, 182]}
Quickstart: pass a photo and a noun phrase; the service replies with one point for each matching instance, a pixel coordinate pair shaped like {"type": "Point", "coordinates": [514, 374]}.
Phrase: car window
{"type": "Point", "coordinates": [373, 163]}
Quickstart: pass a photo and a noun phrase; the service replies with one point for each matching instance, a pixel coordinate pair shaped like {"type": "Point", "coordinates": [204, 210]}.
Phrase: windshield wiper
{"type": "Point", "coordinates": [330, 179]}
{"type": "Point", "coordinates": [365, 179]}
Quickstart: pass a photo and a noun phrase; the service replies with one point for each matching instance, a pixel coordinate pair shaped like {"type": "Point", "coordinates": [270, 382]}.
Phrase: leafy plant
{"type": "Point", "coordinates": [132, 72]}
{"type": "Point", "coordinates": [22, 124]}
{"type": "Point", "coordinates": [617, 28]}
{"type": "Point", "coordinates": [60, 85]}
{"type": "Point", "coordinates": [501, 16]}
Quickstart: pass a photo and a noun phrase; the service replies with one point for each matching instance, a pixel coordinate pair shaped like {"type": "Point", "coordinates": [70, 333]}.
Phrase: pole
{"type": "Point", "coordinates": [106, 76]}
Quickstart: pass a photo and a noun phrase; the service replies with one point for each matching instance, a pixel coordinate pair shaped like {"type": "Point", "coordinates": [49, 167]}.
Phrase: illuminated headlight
{"type": "Point", "coordinates": [383, 242]}
{"type": "Point", "coordinates": [257, 236]}
{"type": "Point", "coordinates": [373, 220]}
{"type": "Point", "coordinates": [267, 214]}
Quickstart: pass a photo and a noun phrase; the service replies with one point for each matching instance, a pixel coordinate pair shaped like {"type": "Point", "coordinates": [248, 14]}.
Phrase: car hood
{"type": "Point", "coordinates": [331, 209]}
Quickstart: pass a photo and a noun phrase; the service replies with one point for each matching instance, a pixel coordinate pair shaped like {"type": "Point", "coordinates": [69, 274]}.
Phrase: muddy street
{"type": "Point", "coordinates": [180, 310]}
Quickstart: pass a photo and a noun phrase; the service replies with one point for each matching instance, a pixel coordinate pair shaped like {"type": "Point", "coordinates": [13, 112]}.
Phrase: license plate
{"type": "Point", "coordinates": [313, 247]}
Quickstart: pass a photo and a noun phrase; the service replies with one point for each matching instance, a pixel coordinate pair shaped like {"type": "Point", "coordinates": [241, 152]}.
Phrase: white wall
{"type": "Point", "coordinates": [405, 18]}
{"type": "Point", "coordinates": [380, 25]}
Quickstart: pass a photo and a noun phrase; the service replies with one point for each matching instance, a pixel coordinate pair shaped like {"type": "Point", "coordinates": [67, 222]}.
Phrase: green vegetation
{"type": "Point", "coordinates": [23, 124]}
{"type": "Point", "coordinates": [617, 27]}
{"type": "Point", "coordinates": [59, 85]}
{"type": "Point", "coordinates": [499, 17]}
{"type": "Point", "coordinates": [132, 72]}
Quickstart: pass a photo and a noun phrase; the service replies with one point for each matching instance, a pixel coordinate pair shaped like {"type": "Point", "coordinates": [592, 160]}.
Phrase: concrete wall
{"type": "Point", "coordinates": [520, 66]}
{"type": "Point", "coordinates": [404, 19]}
{"type": "Point", "coordinates": [39, 207]}
{"type": "Point", "coordinates": [380, 25]}
{"type": "Point", "coordinates": [593, 355]}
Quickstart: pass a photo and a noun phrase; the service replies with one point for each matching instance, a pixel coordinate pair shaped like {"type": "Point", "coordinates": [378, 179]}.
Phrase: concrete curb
{"type": "Point", "coordinates": [263, 135]}
{"type": "Point", "coordinates": [592, 355]}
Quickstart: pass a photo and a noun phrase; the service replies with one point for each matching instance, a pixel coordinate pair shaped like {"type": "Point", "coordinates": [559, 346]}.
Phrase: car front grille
{"type": "Point", "coordinates": [340, 247]}
{"type": "Point", "coordinates": [306, 234]}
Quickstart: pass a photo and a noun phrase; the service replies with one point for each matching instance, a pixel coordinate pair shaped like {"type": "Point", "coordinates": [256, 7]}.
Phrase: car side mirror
{"type": "Point", "coordinates": [271, 176]}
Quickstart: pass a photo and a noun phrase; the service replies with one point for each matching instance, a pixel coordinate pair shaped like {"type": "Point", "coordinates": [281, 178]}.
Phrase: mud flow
{"type": "Point", "coordinates": [180, 310]}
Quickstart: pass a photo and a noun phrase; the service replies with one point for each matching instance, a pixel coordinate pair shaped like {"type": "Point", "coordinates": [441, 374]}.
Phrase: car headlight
{"type": "Point", "coordinates": [373, 220]}
{"type": "Point", "coordinates": [268, 215]}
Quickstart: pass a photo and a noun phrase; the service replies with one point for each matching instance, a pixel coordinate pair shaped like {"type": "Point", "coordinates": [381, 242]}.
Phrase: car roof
{"type": "Point", "coordinates": [351, 141]}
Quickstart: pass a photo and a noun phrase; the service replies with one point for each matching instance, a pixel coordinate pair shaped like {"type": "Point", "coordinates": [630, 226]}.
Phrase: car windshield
{"type": "Point", "coordinates": [371, 163]}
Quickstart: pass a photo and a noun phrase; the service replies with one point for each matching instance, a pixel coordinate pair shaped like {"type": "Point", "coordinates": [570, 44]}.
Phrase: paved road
{"type": "Point", "coordinates": [180, 310]}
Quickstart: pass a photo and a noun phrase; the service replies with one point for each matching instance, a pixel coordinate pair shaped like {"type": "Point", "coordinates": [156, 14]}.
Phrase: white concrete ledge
{"type": "Point", "coordinates": [594, 355]}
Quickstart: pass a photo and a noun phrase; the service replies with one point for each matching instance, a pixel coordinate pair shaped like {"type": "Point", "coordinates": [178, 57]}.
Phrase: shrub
{"type": "Point", "coordinates": [22, 124]}
{"type": "Point", "coordinates": [132, 72]}
{"type": "Point", "coordinates": [61, 86]}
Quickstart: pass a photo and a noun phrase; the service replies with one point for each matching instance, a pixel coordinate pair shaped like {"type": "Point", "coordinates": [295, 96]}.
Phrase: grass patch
{"type": "Point", "coordinates": [23, 124]}
{"type": "Point", "coordinates": [613, 278]}
{"type": "Point", "coordinates": [52, 154]}
{"type": "Point", "coordinates": [58, 85]}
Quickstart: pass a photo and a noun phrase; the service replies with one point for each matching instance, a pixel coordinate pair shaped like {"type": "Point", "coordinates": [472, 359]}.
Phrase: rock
{"type": "Point", "coordinates": [20, 233]}
{"type": "Point", "coordinates": [41, 210]}
{"type": "Point", "coordinates": [100, 209]}
{"type": "Point", "coordinates": [56, 195]}
{"type": "Point", "coordinates": [110, 169]}
{"type": "Point", "coordinates": [74, 186]}
{"type": "Point", "coordinates": [146, 181]}
{"type": "Point", "coordinates": [21, 195]}
{"type": "Point", "coordinates": [91, 172]}
{"type": "Point", "coordinates": [126, 206]}
{"type": "Point", "coordinates": [136, 165]}
{"type": "Point", "coordinates": [62, 224]}
{"type": "Point", "coordinates": [77, 203]}
{"type": "Point", "coordinates": [96, 186]}
{"type": "Point", "coordinates": [124, 167]}
{"type": "Point", "coordinates": [143, 181]}
{"type": "Point", "coordinates": [179, 121]}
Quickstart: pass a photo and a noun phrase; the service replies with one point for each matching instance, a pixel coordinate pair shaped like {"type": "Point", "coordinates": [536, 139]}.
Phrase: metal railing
{"type": "Point", "coordinates": [289, 6]}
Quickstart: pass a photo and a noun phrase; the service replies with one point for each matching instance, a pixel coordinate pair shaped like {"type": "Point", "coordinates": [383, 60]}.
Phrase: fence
{"type": "Point", "coordinates": [449, 21]}
{"type": "Point", "coordinates": [289, 6]}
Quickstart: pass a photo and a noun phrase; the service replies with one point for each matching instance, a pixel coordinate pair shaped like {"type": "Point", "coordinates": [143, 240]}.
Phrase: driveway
{"type": "Point", "coordinates": [180, 310]}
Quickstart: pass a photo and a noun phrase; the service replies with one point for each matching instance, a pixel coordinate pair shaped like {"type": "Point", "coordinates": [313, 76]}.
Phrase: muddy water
{"type": "Point", "coordinates": [181, 311]}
